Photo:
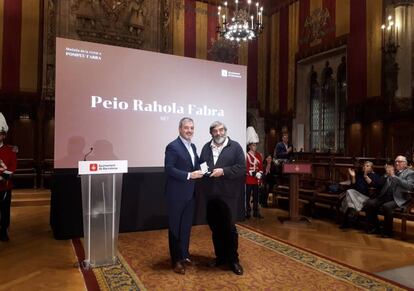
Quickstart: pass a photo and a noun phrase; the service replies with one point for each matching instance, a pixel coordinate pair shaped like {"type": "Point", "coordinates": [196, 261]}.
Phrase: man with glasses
{"type": "Point", "coordinates": [398, 179]}
{"type": "Point", "coordinates": [227, 166]}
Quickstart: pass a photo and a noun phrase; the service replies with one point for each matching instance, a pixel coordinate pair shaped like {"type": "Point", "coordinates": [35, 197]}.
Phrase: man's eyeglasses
{"type": "Point", "coordinates": [400, 161]}
{"type": "Point", "coordinates": [217, 130]}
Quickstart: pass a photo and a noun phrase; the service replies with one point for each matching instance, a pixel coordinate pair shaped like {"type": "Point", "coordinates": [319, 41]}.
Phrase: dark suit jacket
{"type": "Point", "coordinates": [232, 161]}
{"type": "Point", "coordinates": [281, 152]}
{"type": "Point", "coordinates": [177, 166]}
{"type": "Point", "coordinates": [403, 182]}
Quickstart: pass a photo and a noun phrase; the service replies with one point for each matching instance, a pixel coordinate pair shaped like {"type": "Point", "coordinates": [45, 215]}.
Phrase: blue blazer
{"type": "Point", "coordinates": [177, 165]}
{"type": "Point", "coordinates": [281, 152]}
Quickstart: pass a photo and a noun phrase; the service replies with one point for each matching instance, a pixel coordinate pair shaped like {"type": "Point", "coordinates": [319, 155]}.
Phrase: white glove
{"type": "Point", "coordinates": [258, 175]}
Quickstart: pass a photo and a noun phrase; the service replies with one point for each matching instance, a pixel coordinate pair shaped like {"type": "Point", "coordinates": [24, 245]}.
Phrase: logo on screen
{"type": "Point", "coordinates": [230, 74]}
{"type": "Point", "coordinates": [93, 167]}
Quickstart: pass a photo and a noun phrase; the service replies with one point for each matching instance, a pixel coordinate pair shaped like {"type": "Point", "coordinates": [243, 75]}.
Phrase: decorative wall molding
{"type": "Point", "coordinates": [166, 27]}
{"type": "Point", "coordinates": [403, 2]}
{"type": "Point", "coordinates": [143, 24]}
{"type": "Point", "coordinates": [49, 42]}
{"type": "Point", "coordinates": [111, 22]}
{"type": "Point", "coordinates": [223, 50]}
{"type": "Point", "coordinates": [322, 48]}
{"type": "Point", "coordinates": [316, 26]}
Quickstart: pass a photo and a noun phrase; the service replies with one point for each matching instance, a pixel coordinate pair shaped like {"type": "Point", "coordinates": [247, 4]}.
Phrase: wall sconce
{"type": "Point", "coordinates": [390, 45]}
{"type": "Point", "coordinates": [390, 42]}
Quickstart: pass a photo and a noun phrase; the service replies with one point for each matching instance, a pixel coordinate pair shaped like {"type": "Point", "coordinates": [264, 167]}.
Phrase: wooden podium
{"type": "Point", "coordinates": [294, 170]}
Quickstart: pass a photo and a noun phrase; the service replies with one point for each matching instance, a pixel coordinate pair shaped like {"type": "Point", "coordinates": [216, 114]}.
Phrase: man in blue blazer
{"type": "Point", "coordinates": [283, 149]}
{"type": "Point", "coordinates": [182, 168]}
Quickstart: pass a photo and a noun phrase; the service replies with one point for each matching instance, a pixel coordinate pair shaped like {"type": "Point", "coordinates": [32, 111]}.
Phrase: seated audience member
{"type": "Point", "coordinates": [411, 163]}
{"type": "Point", "coordinates": [254, 173]}
{"type": "Point", "coordinates": [269, 179]}
{"type": "Point", "coordinates": [355, 197]}
{"type": "Point", "coordinates": [398, 179]}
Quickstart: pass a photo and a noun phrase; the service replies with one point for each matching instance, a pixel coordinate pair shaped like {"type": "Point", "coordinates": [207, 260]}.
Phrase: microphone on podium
{"type": "Point", "coordinates": [87, 154]}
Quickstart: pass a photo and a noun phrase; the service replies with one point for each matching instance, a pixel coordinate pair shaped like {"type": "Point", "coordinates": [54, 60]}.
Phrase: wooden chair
{"type": "Point", "coordinates": [405, 214]}
{"type": "Point", "coordinates": [332, 199]}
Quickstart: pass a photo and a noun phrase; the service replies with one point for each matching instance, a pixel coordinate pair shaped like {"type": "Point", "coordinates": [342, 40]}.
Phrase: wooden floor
{"type": "Point", "coordinates": [352, 247]}
{"type": "Point", "coordinates": [33, 260]}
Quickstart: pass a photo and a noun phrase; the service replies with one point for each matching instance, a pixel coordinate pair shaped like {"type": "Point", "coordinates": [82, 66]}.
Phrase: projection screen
{"type": "Point", "coordinates": [126, 103]}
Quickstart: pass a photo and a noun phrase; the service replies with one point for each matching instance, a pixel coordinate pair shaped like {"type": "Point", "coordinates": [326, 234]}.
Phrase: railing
{"type": "Point", "coordinates": [26, 170]}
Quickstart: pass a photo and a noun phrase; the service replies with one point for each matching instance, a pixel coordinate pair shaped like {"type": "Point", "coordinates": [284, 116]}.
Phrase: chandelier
{"type": "Point", "coordinates": [244, 25]}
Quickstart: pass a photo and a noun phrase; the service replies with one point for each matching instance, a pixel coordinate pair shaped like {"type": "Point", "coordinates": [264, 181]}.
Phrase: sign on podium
{"type": "Point", "coordinates": [101, 200]}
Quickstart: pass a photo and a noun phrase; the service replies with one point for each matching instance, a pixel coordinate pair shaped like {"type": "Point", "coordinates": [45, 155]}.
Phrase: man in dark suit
{"type": "Point", "coordinates": [283, 149]}
{"type": "Point", "coordinates": [226, 161]}
{"type": "Point", "coordinates": [398, 180]}
{"type": "Point", "coordinates": [182, 168]}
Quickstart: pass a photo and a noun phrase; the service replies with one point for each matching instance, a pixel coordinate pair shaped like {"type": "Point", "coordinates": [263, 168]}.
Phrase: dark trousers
{"type": "Point", "coordinates": [223, 228]}
{"type": "Point", "coordinates": [180, 221]}
{"type": "Point", "coordinates": [5, 201]}
{"type": "Point", "coordinates": [264, 195]}
{"type": "Point", "coordinates": [252, 190]}
{"type": "Point", "coordinates": [372, 207]}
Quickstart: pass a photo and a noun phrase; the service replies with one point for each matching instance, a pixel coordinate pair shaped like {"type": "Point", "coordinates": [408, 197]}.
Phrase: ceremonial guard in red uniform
{"type": "Point", "coordinates": [8, 163]}
{"type": "Point", "coordinates": [254, 173]}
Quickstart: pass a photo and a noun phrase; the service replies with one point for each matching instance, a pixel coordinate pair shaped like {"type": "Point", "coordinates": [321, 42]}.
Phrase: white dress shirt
{"type": "Point", "coordinates": [216, 149]}
{"type": "Point", "coordinates": [190, 151]}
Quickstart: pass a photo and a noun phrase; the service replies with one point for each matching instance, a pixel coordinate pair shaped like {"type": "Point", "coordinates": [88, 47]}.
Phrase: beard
{"type": "Point", "coordinates": [219, 139]}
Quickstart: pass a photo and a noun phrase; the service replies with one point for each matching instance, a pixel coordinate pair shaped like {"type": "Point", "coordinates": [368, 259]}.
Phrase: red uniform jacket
{"type": "Point", "coordinates": [8, 156]}
{"type": "Point", "coordinates": [254, 164]}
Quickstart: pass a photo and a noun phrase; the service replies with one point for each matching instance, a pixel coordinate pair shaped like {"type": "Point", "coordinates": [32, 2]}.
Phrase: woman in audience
{"type": "Point", "coordinates": [354, 198]}
{"type": "Point", "coordinates": [269, 178]}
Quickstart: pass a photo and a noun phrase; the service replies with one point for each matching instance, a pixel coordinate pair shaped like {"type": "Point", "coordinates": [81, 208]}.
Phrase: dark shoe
{"type": "Point", "coordinates": [344, 222]}
{"type": "Point", "coordinates": [352, 214]}
{"type": "Point", "coordinates": [387, 234]}
{"type": "Point", "coordinates": [353, 219]}
{"type": "Point", "coordinates": [374, 230]}
{"type": "Point", "coordinates": [179, 268]}
{"type": "Point", "coordinates": [4, 236]}
{"type": "Point", "coordinates": [236, 268]}
{"type": "Point", "coordinates": [216, 263]}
